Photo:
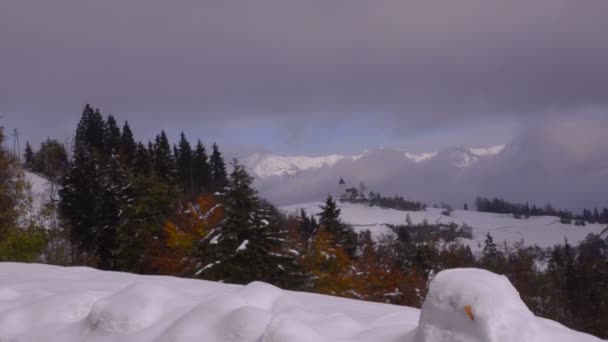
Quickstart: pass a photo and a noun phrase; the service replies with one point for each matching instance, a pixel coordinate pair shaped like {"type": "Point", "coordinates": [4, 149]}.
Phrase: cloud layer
{"type": "Point", "coordinates": [418, 62]}
{"type": "Point", "coordinates": [561, 161]}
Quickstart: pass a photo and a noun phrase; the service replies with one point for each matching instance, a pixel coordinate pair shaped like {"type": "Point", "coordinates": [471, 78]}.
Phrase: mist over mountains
{"type": "Point", "coordinates": [562, 162]}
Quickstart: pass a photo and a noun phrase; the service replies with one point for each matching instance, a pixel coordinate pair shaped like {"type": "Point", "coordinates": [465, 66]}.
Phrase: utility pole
{"type": "Point", "coordinates": [16, 147]}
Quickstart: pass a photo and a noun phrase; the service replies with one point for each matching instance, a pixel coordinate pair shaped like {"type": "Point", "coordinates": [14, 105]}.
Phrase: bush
{"type": "Point", "coordinates": [22, 245]}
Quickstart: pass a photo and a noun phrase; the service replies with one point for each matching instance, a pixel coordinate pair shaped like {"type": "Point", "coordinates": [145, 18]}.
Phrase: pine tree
{"type": "Point", "coordinates": [80, 193]}
{"type": "Point", "coordinates": [491, 258]}
{"type": "Point", "coordinates": [330, 219]}
{"type": "Point", "coordinates": [308, 225]}
{"type": "Point", "coordinates": [185, 165]}
{"type": "Point", "coordinates": [79, 200]}
{"type": "Point", "coordinates": [115, 199]}
{"type": "Point", "coordinates": [29, 156]}
{"type": "Point", "coordinates": [251, 244]}
{"type": "Point", "coordinates": [128, 147]}
{"type": "Point", "coordinates": [142, 164]}
{"type": "Point", "coordinates": [202, 171]}
{"type": "Point", "coordinates": [164, 164]}
{"type": "Point", "coordinates": [111, 136]}
{"type": "Point", "coordinates": [90, 131]}
{"type": "Point", "coordinates": [219, 178]}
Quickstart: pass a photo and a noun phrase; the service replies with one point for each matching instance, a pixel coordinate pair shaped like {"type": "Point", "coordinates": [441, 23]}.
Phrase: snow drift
{"type": "Point", "coordinates": [50, 303]}
{"type": "Point", "coordinates": [472, 305]}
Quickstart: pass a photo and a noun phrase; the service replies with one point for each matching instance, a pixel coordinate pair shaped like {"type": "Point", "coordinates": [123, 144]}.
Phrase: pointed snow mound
{"type": "Point", "coordinates": [472, 305]}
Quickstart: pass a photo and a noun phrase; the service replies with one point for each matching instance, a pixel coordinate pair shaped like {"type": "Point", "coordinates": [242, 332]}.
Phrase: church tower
{"type": "Point", "coordinates": [341, 188]}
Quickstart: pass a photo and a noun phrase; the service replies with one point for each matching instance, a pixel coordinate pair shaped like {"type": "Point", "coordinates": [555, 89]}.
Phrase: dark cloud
{"type": "Point", "coordinates": [425, 62]}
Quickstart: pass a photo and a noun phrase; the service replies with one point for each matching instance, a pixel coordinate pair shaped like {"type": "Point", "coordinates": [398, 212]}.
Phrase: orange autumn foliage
{"type": "Point", "coordinates": [179, 253]}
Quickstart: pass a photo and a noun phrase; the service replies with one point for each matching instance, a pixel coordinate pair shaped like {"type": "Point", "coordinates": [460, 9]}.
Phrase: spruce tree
{"type": "Point", "coordinates": [491, 258]}
{"type": "Point", "coordinates": [185, 165]}
{"type": "Point", "coordinates": [90, 131]}
{"type": "Point", "coordinates": [251, 243]}
{"type": "Point", "coordinates": [164, 165]}
{"type": "Point", "coordinates": [219, 178]}
{"type": "Point", "coordinates": [115, 199]}
{"type": "Point", "coordinates": [142, 164]}
{"type": "Point", "coordinates": [329, 218]}
{"type": "Point", "coordinates": [128, 147]}
{"type": "Point", "coordinates": [111, 137]}
{"type": "Point", "coordinates": [80, 198]}
{"type": "Point", "coordinates": [202, 172]}
{"type": "Point", "coordinates": [29, 156]}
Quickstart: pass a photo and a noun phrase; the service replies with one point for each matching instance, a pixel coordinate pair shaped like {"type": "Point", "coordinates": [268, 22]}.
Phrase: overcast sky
{"type": "Point", "coordinates": [305, 77]}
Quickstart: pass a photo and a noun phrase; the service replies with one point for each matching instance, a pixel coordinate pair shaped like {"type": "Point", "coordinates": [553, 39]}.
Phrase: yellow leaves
{"type": "Point", "coordinates": [329, 265]}
{"type": "Point", "coordinates": [191, 223]}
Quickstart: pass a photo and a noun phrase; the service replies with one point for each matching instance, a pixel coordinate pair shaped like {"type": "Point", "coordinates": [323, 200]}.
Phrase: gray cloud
{"type": "Point", "coordinates": [561, 161]}
{"type": "Point", "coordinates": [420, 62]}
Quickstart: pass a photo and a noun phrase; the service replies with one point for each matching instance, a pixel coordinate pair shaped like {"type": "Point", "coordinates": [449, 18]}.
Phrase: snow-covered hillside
{"type": "Point", "coordinates": [56, 304]}
{"type": "Point", "coordinates": [40, 189]}
{"type": "Point", "coordinates": [544, 231]}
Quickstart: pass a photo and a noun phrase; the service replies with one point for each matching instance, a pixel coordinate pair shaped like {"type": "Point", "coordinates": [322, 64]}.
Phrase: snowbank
{"type": "Point", "coordinates": [472, 305]}
{"type": "Point", "coordinates": [57, 304]}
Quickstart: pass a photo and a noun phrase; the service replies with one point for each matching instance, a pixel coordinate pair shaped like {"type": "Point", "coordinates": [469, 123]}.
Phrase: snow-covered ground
{"type": "Point", "coordinates": [56, 304]}
{"type": "Point", "coordinates": [544, 231]}
{"type": "Point", "coordinates": [41, 189]}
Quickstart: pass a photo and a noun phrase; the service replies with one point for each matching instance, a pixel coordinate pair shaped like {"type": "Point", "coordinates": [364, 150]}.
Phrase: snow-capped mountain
{"type": "Point", "coordinates": [266, 165]}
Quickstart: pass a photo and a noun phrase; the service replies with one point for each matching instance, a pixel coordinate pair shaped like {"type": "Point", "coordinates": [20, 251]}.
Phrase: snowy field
{"type": "Point", "coordinates": [56, 304]}
{"type": "Point", "coordinates": [544, 231]}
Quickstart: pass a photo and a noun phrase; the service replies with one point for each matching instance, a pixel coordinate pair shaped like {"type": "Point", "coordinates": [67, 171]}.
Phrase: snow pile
{"type": "Point", "coordinates": [57, 304]}
{"type": "Point", "coordinates": [472, 305]}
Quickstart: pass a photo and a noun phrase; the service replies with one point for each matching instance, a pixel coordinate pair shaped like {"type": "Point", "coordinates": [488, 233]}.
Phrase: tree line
{"type": "Point", "coordinates": [519, 210]}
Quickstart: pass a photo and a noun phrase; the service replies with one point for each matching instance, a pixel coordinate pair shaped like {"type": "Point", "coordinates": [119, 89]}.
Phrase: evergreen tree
{"type": "Point", "coordinates": [202, 171]}
{"type": "Point", "coordinates": [251, 243]}
{"type": "Point", "coordinates": [128, 147]}
{"type": "Point", "coordinates": [219, 178]}
{"type": "Point", "coordinates": [491, 258]}
{"type": "Point", "coordinates": [466, 206]}
{"type": "Point", "coordinates": [79, 200]}
{"type": "Point", "coordinates": [111, 137]}
{"type": "Point", "coordinates": [142, 161]}
{"type": "Point", "coordinates": [163, 158]}
{"type": "Point", "coordinates": [90, 131]}
{"type": "Point", "coordinates": [329, 218]}
{"type": "Point", "coordinates": [308, 225]}
{"type": "Point", "coordinates": [115, 199]}
{"type": "Point", "coordinates": [29, 156]}
{"type": "Point", "coordinates": [185, 165]}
